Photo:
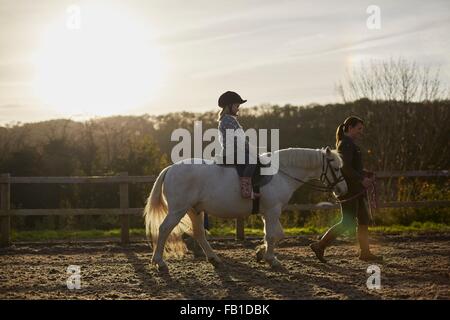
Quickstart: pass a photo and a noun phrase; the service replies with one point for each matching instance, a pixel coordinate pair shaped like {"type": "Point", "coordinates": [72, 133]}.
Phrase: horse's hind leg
{"type": "Point", "coordinates": [170, 222]}
{"type": "Point", "coordinates": [199, 235]}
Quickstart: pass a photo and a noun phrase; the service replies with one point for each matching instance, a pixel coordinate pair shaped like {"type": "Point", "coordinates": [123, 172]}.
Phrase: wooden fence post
{"type": "Point", "coordinates": [5, 221]}
{"type": "Point", "coordinates": [240, 235]}
{"type": "Point", "coordinates": [124, 218]}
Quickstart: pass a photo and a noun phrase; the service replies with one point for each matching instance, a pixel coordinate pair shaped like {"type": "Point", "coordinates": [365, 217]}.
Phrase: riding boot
{"type": "Point", "coordinates": [246, 187]}
{"type": "Point", "coordinates": [363, 238]}
{"type": "Point", "coordinates": [320, 246]}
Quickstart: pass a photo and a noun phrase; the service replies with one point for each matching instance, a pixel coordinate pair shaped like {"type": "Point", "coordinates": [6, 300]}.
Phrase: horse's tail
{"type": "Point", "coordinates": [155, 212]}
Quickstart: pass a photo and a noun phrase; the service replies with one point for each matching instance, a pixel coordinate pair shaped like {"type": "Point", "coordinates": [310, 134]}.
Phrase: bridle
{"type": "Point", "coordinates": [329, 185]}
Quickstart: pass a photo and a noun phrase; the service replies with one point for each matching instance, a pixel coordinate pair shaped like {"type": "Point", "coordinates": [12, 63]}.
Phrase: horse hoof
{"type": "Point", "coordinates": [162, 268]}
{"type": "Point", "coordinates": [275, 264]}
{"type": "Point", "coordinates": [215, 261]}
{"type": "Point", "coordinates": [260, 253]}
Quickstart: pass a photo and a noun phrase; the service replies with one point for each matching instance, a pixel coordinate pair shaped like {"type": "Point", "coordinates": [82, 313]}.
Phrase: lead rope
{"type": "Point", "coordinates": [372, 198]}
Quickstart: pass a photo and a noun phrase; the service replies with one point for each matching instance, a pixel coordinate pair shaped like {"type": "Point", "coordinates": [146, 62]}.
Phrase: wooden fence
{"type": "Point", "coordinates": [123, 180]}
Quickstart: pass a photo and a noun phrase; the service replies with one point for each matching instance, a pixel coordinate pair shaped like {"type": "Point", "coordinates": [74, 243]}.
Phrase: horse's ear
{"type": "Point", "coordinates": [328, 150]}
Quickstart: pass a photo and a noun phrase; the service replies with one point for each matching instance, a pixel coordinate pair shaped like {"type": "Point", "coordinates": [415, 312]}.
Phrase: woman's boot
{"type": "Point", "coordinates": [363, 238]}
{"type": "Point", "coordinates": [320, 246]}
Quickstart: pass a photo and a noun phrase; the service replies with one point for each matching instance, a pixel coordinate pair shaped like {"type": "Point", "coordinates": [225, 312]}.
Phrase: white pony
{"type": "Point", "coordinates": [197, 188]}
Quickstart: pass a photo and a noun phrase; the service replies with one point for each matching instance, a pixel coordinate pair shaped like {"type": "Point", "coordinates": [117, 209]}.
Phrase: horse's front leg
{"type": "Point", "coordinates": [273, 234]}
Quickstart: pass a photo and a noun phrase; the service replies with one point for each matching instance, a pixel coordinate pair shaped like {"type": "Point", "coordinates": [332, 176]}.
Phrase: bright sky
{"type": "Point", "coordinates": [159, 56]}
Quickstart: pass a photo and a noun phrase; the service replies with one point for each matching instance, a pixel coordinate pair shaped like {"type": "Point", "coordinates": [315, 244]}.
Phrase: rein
{"type": "Point", "coordinates": [311, 185]}
{"type": "Point", "coordinates": [323, 178]}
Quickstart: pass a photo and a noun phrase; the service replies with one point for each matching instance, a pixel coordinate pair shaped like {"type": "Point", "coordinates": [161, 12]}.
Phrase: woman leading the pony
{"type": "Point", "coordinates": [238, 145]}
{"type": "Point", "coordinates": [354, 203]}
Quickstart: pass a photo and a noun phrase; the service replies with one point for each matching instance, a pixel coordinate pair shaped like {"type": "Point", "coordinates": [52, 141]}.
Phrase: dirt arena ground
{"type": "Point", "coordinates": [415, 267]}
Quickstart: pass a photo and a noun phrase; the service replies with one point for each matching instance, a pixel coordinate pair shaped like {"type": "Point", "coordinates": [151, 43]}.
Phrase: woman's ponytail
{"type": "Point", "coordinates": [349, 122]}
{"type": "Point", "coordinates": [339, 133]}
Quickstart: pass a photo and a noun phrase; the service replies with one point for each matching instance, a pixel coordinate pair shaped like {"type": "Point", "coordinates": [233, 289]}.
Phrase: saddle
{"type": "Point", "coordinates": [257, 180]}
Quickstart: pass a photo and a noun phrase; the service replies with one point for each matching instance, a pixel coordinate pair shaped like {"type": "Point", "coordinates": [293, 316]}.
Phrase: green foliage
{"type": "Point", "coordinates": [416, 190]}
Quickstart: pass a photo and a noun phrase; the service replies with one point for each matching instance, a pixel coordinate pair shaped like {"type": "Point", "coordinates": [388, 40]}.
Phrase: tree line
{"type": "Point", "coordinates": [398, 136]}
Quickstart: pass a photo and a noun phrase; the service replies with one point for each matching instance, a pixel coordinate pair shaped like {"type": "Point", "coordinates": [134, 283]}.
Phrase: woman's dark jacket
{"type": "Point", "coordinates": [352, 170]}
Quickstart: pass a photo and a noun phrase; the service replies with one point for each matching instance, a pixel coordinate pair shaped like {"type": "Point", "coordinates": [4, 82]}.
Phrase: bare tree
{"type": "Point", "coordinates": [392, 80]}
{"type": "Point", "coordinates": [413, 113]}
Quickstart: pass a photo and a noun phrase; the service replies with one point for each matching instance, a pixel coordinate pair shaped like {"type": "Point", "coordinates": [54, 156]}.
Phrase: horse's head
{"type": "Point", "coordinates": [331, 172]}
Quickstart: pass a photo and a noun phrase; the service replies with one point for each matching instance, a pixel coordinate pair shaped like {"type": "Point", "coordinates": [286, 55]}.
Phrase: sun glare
{"type": "Point", "coordinates": [105, 67]}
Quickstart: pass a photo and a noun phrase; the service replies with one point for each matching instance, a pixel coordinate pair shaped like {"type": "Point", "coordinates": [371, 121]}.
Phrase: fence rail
{"type": "Point", "coordinates": [123, 180]}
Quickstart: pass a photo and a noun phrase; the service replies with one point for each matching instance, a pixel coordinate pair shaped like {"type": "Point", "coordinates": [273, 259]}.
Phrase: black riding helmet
{"type": "Point", "coordinates": [229, 98]}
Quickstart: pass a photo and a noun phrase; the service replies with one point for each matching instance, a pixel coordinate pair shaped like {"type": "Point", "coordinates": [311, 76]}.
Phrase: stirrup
{"type": "Point", "coordinates": [256, 195]}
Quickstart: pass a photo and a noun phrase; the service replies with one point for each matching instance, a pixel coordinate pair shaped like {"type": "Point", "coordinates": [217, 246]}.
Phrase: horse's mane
{"type": "Point", "coordinates": [304, 157]}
